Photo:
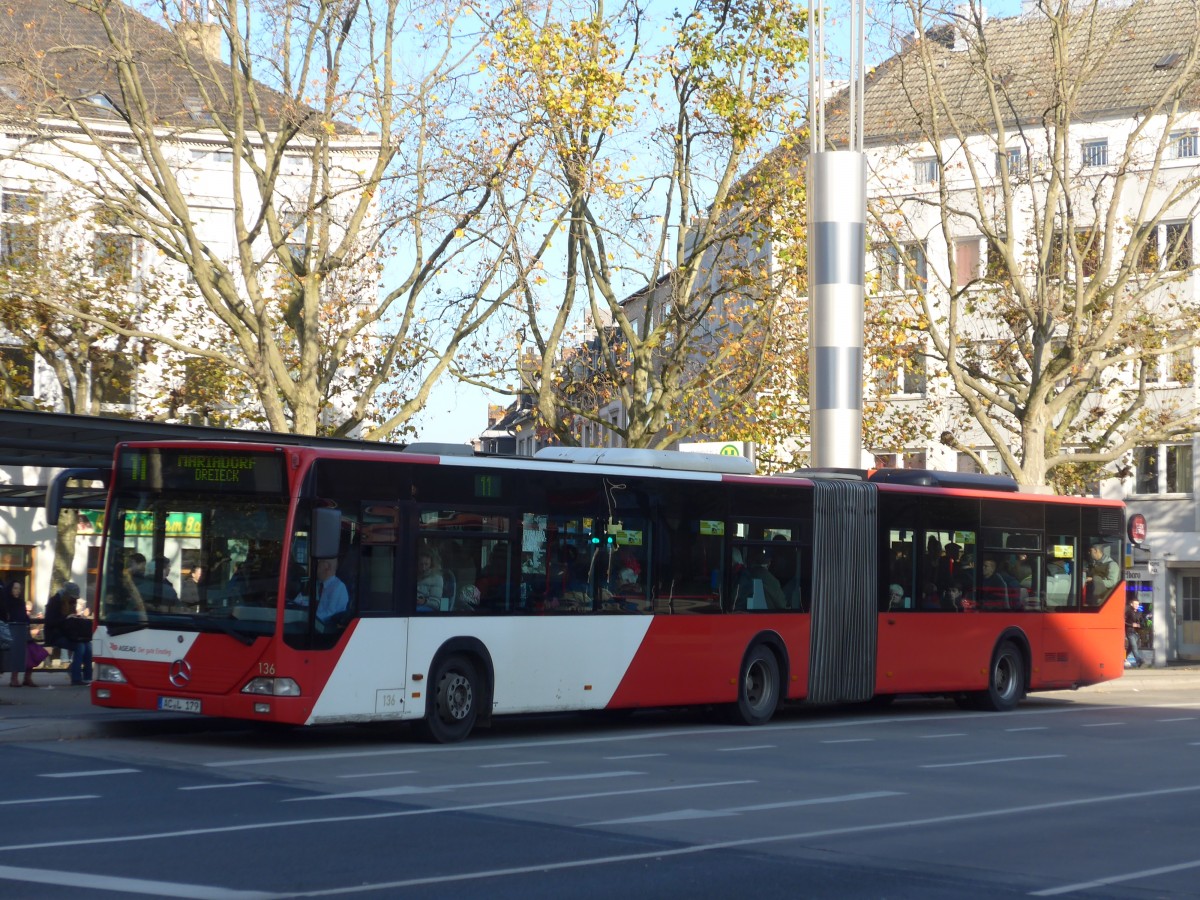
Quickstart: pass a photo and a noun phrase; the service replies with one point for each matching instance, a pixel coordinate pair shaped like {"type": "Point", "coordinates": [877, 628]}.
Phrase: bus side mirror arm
{"type": "Point", "coordinates": [58, 486]}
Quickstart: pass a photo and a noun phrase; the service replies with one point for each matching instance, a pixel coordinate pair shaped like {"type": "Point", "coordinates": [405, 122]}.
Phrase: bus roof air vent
{"type": "Point", "coordinates": [828, 473]}
{"type": "Point", "coordinates": [648, 459]}
{"type": "Point", "coordinates": [930, 478]}
{"type": "Point", "coordinates": [434, 448]}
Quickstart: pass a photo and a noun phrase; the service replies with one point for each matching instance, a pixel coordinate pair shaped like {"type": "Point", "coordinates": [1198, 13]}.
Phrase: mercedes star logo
{"type": "Point", "coordinates": [181, 673]}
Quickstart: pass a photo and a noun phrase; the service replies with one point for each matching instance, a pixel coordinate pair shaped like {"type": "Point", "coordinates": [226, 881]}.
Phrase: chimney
{"type": "Point", "coordinates": [204, 36]}
{"type": "Point", "coordinates": [495, 414]}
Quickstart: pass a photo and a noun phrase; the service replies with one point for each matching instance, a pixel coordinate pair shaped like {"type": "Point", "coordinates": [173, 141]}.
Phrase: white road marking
{"type": "Point", "coordinates": [850, 741]}
{"type": "Point", "coordinates": [217, 787]}
{"type": "Point", "coordinates": [404, 790]}
{"type": "Point", "coordinates": [927, 737]}
{"type": "Point", "coordinates": [676, 734]}
{"type": "Point", "coordinates": [679, 814]}
{"type": "Point", "coordinates": [89, 774]}
{"type": "Point", "coordinates": [92, 882]}
{"type": "Point", "coordinates": [1180, 719]}
{"type": "Point", "coordinates": [633, 756]}
{"type": "Point", "coordinates": [1031, 728]}
{"type": "Point", "coordinates": [1116, 879]}
{"type": "Point", "coordinates": [380, 774]}
{"type": "Point", "coordinates": [743, 749]}
{"type": "Point", "coordinates": [371, 817]}
{"type": "Point", "coordinates": [513, 765]}
{"type": "Point", "coordinates": [1102, 724]}
{"type": "Point", "coordinates": [695, 849]}
{"type": "Point", "coordinates": [50, 799]}
{"type": "Point", "coordinates": [988, 762]}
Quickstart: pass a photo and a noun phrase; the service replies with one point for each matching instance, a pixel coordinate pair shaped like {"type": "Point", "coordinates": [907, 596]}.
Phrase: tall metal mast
{"type": "Point", "coordinates": [837, 217]}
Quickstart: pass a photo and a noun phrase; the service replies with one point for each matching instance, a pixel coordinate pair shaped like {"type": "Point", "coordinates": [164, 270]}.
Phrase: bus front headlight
{"type": "Point", "coordinates": [109, 673]}
{"type": "Point", "coordinates": [272, 687]}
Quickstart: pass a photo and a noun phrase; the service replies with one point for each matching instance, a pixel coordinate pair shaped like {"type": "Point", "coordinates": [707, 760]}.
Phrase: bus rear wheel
{"type": "Point", "coordinates": [758, 688]}
{"type": "Point", "coordinates": [453, 704]}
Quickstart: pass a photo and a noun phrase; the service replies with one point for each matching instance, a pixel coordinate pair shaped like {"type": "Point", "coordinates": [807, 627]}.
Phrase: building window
{"type": "Point", "coordinates": [908, 375]}
{"type": "Point", "coordinates": [19, 230]}
{"type": "Point", "coordinates": [114, 380]}
{"type": "Point", "coordinates": [1185, 144]}
{"type": "Point", "coordinates": [295, 233]}
{"type": "Point", "coordinates": [16, 373]}
{"type": "Point", "coordinates": [913, 459]}
{"type": "Point", "coordinates": [966, 261]}
{"type": "Point", "coordinates": [995, 267]}
{"type": "Point", "coordinates": [1167, 246]}
{"type": "Point", "coordinates": [1171, 368]}
{"type": "Point", "coordinates": [1015, 161]}
{"type": "Point", "coordinates": [112, 249]}
{"type": "Point", "coordinates": [1088, 240]}
{"type": "Point", "coordinates": [991, 458]}
{"type": "Point", "coordinates": [1166, 469]}
{"type": "Point", "coordinates": [1095, 153]}
{"type": "Point", "coordinates": [1177, 245]}
{"type": "Point", "coordinates": [926, 171]}
{"type": "Point", "coordinates": [901, 268]}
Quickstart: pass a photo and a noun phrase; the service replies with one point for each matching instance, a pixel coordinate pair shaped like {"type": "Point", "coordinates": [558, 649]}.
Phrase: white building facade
{"type": "Point", "coordinates": [52, 173]}
{"type": "Point", "coordinates": [957, 181]}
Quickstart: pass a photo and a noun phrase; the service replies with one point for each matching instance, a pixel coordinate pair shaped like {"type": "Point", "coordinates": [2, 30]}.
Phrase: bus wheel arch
{"type": "Point", "coordinates": [458, 693]}
{"type": "Point", "coordinates": [761, 679]}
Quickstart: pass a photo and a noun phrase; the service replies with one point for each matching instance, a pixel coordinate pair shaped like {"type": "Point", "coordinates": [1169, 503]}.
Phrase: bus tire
{"type": "Point", "coordinates": [453, 703]}
{"type": "Point", "coordinates": [758, 687]}
{"type": "Point", "coordinates": [1006, 679]}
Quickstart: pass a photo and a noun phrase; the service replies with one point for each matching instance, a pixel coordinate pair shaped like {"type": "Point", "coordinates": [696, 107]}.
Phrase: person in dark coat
{"type": "Point", "coordinates": [70, 632]}
{"type": "Point", "coordinates": [17, 616]}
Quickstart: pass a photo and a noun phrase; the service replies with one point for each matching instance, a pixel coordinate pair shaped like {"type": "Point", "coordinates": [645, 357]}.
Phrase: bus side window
{"type": "Point", "coordinates": [689, 578]}
{"type": "Point", "coordinates": [377, 560]}
{"type": "Point", "coordinates": [899, 575]}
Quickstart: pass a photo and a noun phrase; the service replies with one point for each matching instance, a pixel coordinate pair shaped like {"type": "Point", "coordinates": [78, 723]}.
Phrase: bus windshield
{"type": "Point", "coordinates": [194, 542]}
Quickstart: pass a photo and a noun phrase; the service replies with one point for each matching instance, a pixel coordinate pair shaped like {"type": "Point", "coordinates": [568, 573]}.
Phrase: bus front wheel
{"type": "Point", "coordinates": [758, 688]}
{"type": "Point", "coordinates": [1006, 682]}
{"type": "Point", "coordinates": [453, 704]}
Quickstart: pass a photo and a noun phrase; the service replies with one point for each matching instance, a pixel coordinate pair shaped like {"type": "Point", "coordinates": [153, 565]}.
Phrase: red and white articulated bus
{"type": "Point", "coordinates": [352, 586]}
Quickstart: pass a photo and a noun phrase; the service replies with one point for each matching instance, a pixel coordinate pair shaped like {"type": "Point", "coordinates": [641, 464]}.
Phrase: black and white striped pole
{"type": "Point", "coordinates": [837, 217]}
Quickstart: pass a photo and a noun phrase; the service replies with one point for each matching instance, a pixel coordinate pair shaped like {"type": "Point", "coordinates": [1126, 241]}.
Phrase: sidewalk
{"type": "Point", "coordinates": [56, 711]}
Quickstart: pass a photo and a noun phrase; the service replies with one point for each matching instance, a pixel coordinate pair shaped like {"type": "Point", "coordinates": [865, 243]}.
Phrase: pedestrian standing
{"type": "Point", "coordinates": [17, 616]}
{"type": "Point", "coordinates": [70, 632]}
{"type": "Point", "coordinates": [1133, 627]}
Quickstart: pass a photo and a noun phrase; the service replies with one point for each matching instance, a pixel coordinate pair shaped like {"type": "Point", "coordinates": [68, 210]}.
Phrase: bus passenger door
{"type": "Point", "coordinates": [363, 648]}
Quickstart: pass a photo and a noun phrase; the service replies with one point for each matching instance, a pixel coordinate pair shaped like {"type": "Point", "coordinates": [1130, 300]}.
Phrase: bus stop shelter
{"type": "Point", "coordinates": [37, 446]}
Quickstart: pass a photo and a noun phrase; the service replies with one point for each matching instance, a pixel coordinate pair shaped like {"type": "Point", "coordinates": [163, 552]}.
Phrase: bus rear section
{"type": "Point", "coordinates": [986, 596]}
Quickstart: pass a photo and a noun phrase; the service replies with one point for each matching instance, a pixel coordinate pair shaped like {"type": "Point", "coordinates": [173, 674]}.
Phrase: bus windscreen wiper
{"type": "Point", "coordinates": [223, 626]}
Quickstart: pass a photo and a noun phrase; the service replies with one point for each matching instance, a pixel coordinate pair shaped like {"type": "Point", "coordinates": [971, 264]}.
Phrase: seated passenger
{"type": "Point", "coordinates": [929, 596]}
{"type": "Point", "coordinates": [429, 578]}
{"type": "Point", "coordinates": [995, 593]}
{"type": "Point", "coordinates": [757, 587]}
{"type": "Point", "coordinates": [627, 593]}
{"type": "Point", "coordinates": [956, 597]}
{"type": "Point", "coordinates": [467, 599]}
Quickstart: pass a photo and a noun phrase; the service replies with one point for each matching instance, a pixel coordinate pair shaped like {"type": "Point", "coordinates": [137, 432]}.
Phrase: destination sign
{"type": "Point", "coordinates": [217, 471]}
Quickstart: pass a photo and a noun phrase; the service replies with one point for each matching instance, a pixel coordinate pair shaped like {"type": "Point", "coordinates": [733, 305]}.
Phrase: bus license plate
{"type": "Point", "coordinates": [178, 704]}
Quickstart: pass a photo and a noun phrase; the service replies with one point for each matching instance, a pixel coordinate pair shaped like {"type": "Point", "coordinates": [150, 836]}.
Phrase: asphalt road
{"type": "Point", "coordinates": [1079, 796]}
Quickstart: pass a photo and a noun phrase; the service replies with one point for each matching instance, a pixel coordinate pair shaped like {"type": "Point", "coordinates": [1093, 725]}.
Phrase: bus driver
{"type": "Point", "coordinates": [332, 596]}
